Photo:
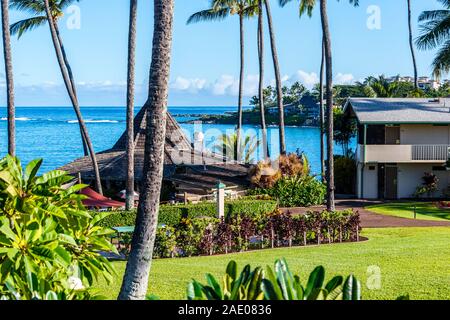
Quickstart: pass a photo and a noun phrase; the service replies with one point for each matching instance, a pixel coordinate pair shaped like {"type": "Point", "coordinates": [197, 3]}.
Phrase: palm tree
{"type": "Point", "coordinates": [50, 11]}
{"type": "Point", "coordinates": [411, 45]}
{"type": "Point", "coordinates": [9, 79]}
{"type": "Point", "coordinates": [379, 87]}
{"type": "Point", "coordinates": [306, 7]}
{"type": "Point", "coordinates": [329, 104]}
{"type": "Point", "coordinates": [262, 110]}
{"type": "Point", "coordinates": [219, 10]}
{"type": "Point", "coordinates": [278, 83]}
{"type": "Point", "coordinates": [135, 280]}
{"type": "Point", "coordinates": [129, 202]}
{"type": "Point", "coordinates": [227, 144]}
{"type": "Point", "coordinates": [322, 115]}
{"type": "Point", "coordinates": [436, 34]}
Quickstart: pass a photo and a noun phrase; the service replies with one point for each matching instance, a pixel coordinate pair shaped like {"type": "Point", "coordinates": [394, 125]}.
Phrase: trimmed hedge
{"type": "Point", "coordinates": [172, 214]}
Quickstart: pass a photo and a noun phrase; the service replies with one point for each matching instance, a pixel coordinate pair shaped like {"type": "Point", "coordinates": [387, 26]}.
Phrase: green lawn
{"type": "Point", "coordinates": [424, 210]}
{"type": "Point", "coordinates": [412, 260]}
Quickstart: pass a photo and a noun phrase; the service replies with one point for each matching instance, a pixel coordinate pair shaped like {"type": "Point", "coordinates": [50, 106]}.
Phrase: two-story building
{"type": "Point", "coordinates": [399, 140]}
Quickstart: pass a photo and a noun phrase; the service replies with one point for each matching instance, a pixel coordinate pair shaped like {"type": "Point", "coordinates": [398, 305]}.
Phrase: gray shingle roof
{"type": "Point", "coordinates": [400, 110]}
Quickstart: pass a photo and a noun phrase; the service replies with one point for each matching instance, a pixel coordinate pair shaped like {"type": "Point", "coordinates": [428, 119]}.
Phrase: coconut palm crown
{"type": "Point", "coordinates": [37, 9]}
{"type": "Point", "coordinates": [435, 33]}
{"type": "Point", "coordinates": [221, 9]}
{"type": "Point", "coordinates": [307, 6]}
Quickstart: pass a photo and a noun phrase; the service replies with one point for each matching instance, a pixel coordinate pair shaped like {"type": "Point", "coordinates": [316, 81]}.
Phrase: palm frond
{"type": "Point", "coordinates": [445, 3]}
{"type": "Point", "coordinates": [209, 15]}
{"type": "Point", "coordinates": [306, 6]}
{"type": "Point", "coordinates": [433, 15]}
{"type": "Point", "coordinates": [434, 33]}
{"type": "Point", "coordinates": [282, 3]}
{"type": "Point", "coordinates": [65, 3]}
{"type": "Point", "coordinates": [20, 27]}
{"type": "Point", "coordinates": [441, 63]}
{"type": "Point", "coordinates": [30, 6]}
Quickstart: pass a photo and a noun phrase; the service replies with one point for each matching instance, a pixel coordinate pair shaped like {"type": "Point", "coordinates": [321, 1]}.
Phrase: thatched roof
{"type": "Point", "coordinates": [112, 162]}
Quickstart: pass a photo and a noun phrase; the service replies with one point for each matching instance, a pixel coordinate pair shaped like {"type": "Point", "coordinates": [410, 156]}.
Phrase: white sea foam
{"type": "Point", "coordinates": [18, 119]}
{"type": "Point", "coordinates": [94, 121]}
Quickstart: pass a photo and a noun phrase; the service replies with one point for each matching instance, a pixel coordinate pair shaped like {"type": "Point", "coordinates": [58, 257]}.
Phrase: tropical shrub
{"type": "Point", "coordinates": [165, 242]}
{"type": "Point", "coordinates": [49, 244]}
{"type": "Point", "coordinates": [265, 174]}
{"type": "Point", "coordinates": [172, 214]}
{"type": "Point", "coordinates": [429, 185]}
{"type": "Point", "coordinates": [296, 191]}
{"type": "Point", "coordinates": [274, 284]}
{"type": "Point", "coordinates": [208, 236]}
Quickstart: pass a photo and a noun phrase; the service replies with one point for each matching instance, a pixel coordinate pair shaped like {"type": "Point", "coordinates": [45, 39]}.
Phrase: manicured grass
{"type": "Point", "coordinates": [411, 260]}
{"type": "Point", "coordinates": [424, 210]}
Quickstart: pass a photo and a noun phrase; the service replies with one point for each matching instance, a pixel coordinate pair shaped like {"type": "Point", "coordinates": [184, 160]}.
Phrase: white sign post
{"type": "Point", "coordinates": [220, 188]}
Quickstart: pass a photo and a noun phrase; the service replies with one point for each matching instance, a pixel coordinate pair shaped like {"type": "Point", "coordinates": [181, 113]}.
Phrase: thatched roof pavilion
{"type": "Point", "coordinates": [183, 166]}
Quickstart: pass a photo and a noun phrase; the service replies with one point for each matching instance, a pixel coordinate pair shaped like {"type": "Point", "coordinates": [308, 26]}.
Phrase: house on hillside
{"type": "Point", "coordinates": [307, 106]}
{"type": "Point", "coordinates": [399, 141]}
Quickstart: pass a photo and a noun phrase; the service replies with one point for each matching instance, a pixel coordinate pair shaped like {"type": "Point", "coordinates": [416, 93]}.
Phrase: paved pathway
{"type": "Point", "coordinates": [370, 219]}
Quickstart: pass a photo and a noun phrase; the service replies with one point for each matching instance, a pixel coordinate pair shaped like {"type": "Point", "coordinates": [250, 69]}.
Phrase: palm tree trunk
{"type": "Point", "coordinates": [9, 79]}
{"type": "Point", "coordinates": [261, 80]}
{"type": "Point", "coordinates": [72, 83]}
{"type": "Point", "coordinates": [129, 203]}
{"type": "Point", "coordinates": [276, 66]}
{"type": "Point", "coordinates": [411, 45]}
{"type": "Point", "coordinates": [241, 89]}
{"type": "Point", "coordinates": [322, 115]}
{"type": "Point", "coordinates": [135, 280]}
{"type": "Point", "coordinates": [72, 96]}
{"type": "Point", "coordinates": [329, 92]}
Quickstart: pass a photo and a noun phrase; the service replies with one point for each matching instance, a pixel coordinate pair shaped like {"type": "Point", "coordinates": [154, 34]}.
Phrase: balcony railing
{"type": "Point", "coordinates": [430, 152]}
{"type": "Point", "coordinates": [404, 153]}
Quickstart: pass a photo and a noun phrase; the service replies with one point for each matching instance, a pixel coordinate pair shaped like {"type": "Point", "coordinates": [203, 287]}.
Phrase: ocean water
{"type": "Point", "coordinates": [52, 133]}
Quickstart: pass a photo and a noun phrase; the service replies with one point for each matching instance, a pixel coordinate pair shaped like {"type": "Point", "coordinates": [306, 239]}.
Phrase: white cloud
{"type": "Point", "coordinates": [223, 85]}
{"type": "Point", "coordinates": [307, 79]}
{"type": "Point", "coordinates": [344, 78]}
{"type": "Point", "coordinates": [191, 85]}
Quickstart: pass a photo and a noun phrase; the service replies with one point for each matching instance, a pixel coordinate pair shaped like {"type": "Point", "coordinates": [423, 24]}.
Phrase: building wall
{"type": "Point", "coordinates": [370, 182]}
{"type": "Point", "coordinates": [410, 177]}
{"type": "Point", "coordinates": [424, 134]}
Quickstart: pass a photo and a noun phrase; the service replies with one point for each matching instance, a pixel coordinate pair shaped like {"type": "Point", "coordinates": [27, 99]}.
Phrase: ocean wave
{"type": "Point", "coordinates": [18, 119]}
{"type": "Point", "coordinates": [94, 121]}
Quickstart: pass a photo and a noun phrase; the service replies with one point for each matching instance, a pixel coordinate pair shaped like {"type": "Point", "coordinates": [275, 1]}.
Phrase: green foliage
{"type": "Point", "coordinates": [274, 284]}
{"type": "Point", "coordinates": [344, 174]}
{"type": "Point", "coordinates": [297, 191]}
{"type": "Point", "coordinates": [172, 214]}
{"type": "Point", "coordinates": [435, 31]}
{"type": "Point", "coordinates": [165, 242]}
{"type": "Point", "coordinates": [345, 129]}
{"type": "Point", "coordinates": [190, 234]}
{"type": "Point", "coordinates": [47, 238]}
{"type": "Point", "coordinates": [227, 145]}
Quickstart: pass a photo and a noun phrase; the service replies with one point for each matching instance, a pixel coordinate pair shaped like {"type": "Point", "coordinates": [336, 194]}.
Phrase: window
{"type": "Point", "coordinates": [372, 168]}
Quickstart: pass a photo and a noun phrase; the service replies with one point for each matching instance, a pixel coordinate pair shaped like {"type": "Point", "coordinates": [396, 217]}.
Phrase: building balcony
{"type": "Point", "coordinates": [403, 153]}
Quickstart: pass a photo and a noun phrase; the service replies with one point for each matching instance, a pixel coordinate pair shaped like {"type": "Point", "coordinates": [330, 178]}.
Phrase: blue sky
{"type": "Point", "coordinates": [205, 61]}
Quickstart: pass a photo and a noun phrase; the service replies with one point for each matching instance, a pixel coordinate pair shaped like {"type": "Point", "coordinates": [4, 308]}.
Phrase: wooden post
{"type": "Point", "coordinates": [185, 198]}
{"type": "Point", "coordinates": [415, 211]}
{"type": "Point", "coordinates": [79, 178]}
